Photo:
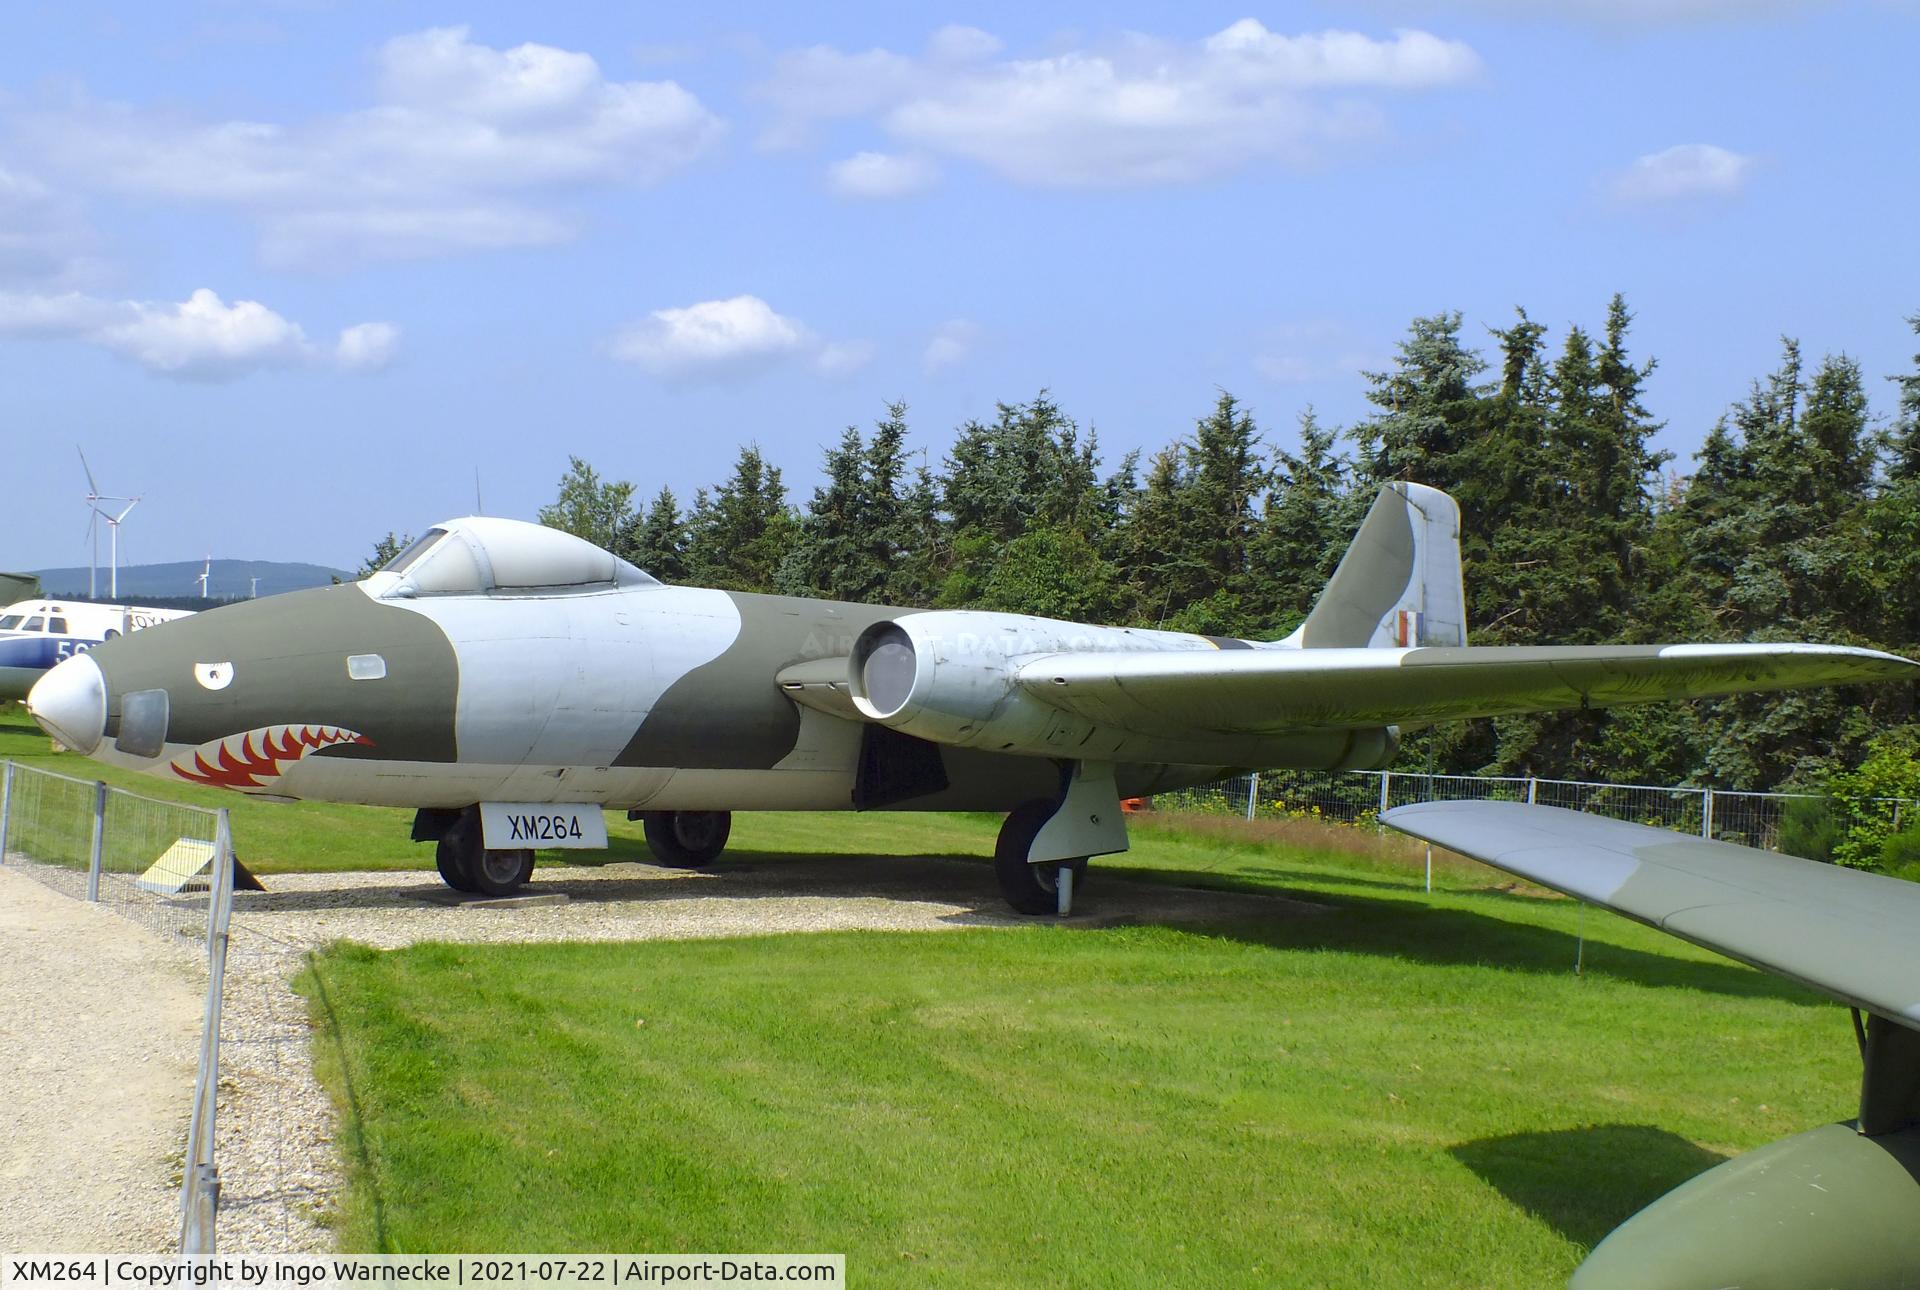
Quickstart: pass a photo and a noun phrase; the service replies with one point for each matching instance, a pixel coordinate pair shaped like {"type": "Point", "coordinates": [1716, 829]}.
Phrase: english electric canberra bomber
{"type": "Point", "coordinates": [508, 681]}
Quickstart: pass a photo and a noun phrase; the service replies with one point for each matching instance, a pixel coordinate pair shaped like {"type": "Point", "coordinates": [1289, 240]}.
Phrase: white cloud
{"type": "Point", "coordinates": [718, 340]}
{"type": "Point", "coordinates": [42, 236]}
{"type": "Point", "coordinates": [320, 237]}
{"type": "Point", "coordinates": [1304, 353]}
{"type": "Point", "coordinates": [710, 339]}
{"type": "Point", "coordinates": [843, 358]}
{"type": "Point", "coordinates": [952, 343]}
{"type": "Point", "coordinates": [881, 176]}
{"type": "Point", "coordinates": [961, 44]}
{"type": "Point", "coordinates": [367, 347]}
{"type": "Point", "coordinates": [201, 338]}
{"type": "Point", "coordinates": [1688, 172]}
{"type": "Point", "coordinates": [1412, 60]}
{"type": "Point", "coordinates": [457, 126]}
{"type": "Point", "coordinates": [1144, 111]}
{"type": "Point", "coordinates": [1662, 13]}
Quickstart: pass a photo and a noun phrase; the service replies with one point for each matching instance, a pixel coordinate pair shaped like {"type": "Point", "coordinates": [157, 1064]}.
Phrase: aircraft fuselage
{"type": "Point", "coordinates": [649, 697]}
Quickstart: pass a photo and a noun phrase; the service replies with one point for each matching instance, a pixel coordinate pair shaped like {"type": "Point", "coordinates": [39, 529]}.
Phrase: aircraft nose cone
{"type": "Point", "coordinates": [70, 703]}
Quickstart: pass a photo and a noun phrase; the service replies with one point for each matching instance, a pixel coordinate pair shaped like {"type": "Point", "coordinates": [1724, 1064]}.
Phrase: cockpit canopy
{"type": "Point", "coordinates": [484, 555]}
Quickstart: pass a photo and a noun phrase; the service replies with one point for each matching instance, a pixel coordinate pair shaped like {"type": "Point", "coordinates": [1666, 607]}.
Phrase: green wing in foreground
{"type": "Point", "coordinates": [1842, 932]}
{"type": "Point", "coordinates": [1836, 1206]}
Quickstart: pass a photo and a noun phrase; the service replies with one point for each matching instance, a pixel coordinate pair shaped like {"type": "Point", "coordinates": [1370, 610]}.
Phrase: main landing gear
{"type": "Point", "coordinates": [685, 839]}
{"type": "Point", "coordinates": [1041, 855]}
{"type": "Point", "coordinates": [465, 864]}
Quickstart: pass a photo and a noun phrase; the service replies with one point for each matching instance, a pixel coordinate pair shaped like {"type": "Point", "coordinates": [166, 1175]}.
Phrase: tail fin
{"type": "Point", "coordinates": [1399, 583]}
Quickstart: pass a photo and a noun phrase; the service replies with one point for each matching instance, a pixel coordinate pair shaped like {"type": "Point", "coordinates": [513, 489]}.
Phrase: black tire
{"type": "Point", "coordinates": [1030, 888]}
{"type": "Point", "coordinates": [454, 852]}
{"type": "Point", "coordinates": [687, 839]}
{"type": "Point", "coordinates": [500, 873]}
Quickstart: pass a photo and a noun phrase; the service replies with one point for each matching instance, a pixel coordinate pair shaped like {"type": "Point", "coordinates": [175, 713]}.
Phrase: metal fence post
{"type": "Point", "coordinates": [99, 833]}
{"type": "Point", "coordinates": [200, 1183]}
{"type": "Point", "coordinates": [1533, 790]}
{"type": "Point", "coordinates": [6, 808]}
{"type": "Point", "coordinates": [1253, 795]}
{"type": "Point", "coordinates": [1386, 789]}
{"type": "Point", "coordinates": [1706, 814]}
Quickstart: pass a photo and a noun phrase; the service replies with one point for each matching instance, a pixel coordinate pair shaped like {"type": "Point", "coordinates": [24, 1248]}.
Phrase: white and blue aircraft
{"type": "Point", "coordinates": [36, 634]}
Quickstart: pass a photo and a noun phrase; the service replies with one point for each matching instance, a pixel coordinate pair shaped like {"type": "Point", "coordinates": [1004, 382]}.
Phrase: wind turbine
{"type": "Point", "coordinates": [94, 498]}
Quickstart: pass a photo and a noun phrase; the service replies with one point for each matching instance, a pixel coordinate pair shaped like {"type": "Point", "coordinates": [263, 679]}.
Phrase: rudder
{"type": "Point", "coordinates": [1399, 584]}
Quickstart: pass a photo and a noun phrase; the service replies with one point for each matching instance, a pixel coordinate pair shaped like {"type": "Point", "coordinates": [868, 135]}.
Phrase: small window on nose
{"type": "Point", "coordinates": [366, 667]}
{"type": "Point", "coordinates": [143, 723]}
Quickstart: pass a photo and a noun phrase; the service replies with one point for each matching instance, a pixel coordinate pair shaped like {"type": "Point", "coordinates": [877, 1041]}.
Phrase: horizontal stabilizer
{"type": "Point", "coordinates": [1842, 932]}
{"type": "Point", "coordinates": [1280, 691]}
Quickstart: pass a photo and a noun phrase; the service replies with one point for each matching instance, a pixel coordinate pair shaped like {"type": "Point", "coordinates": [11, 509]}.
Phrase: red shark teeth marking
{"type": "Point", "coordinates": [249, 759]}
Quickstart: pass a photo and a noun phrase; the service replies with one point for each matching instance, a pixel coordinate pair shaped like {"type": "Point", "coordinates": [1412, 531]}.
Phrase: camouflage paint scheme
{"type": "Point", "coordinates": [1838, 1205]}
{"type": "Point", "coordinates": [498, 662]}
{"type": "Point", "coordinates": [505, 662]}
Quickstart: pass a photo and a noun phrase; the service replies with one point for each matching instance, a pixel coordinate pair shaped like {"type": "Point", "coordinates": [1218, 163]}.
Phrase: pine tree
{"type": "Point", "coordinates": [1306, 521]}
{"type": "Point", "coordinates": [1027, 469]}
{"type": "Point", "coordinates": [657, 540]}
{"type": "Point", "coordinates": [826, 558]}
{"type": "Point", "coordinates": [1893, 526]}
{"type": "Point", "coordinates": [588, 506]}
{"type": "Point", "coordinates": [741, 531]}
{"type": "Point", "coordinates": [867, 534]}
{"type": "Point", "coordinates": [383, 554]}
{"type": "Point", "coordinates": [1777, 545]}
{"type": "Point", "coordinates": [1904, 441]}
{"type": "Point", "coordinates": [1429, 407]}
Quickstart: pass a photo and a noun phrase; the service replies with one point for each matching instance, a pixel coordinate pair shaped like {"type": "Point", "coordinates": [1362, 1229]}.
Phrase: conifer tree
{"type": "Point", "coordinates": [1306, 522]}
{"type": "Point", "coordinates": [588, 506]}
{"type": "Point", "coordinates": [657, 539]}
{"type": "Point", "coordinates": [741, 530]}
{"type": "Point", "coordinates": [1429, 407]}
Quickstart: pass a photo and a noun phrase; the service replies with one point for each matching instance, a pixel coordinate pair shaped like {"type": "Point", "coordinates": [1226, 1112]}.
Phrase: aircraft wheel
{"type": "Point", "coordinates": [687, 839]}
{"type": "Point", "coordinates": [454, 853]}
{"type": "Point", "coordinates": [501, 873]}
{"type": "Point", "coordinates": [1031, 888]}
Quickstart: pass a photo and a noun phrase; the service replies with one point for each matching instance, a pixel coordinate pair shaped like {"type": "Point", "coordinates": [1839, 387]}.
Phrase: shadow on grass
{"type": "Point", "coordinates": [356, 1124]}
{"type": "Point", "coordinates": [1586, 1182]}
{"type": "Point", "coordinates": [1406, 926]}
{"type": "Point", "coordinates": [1403, 926]}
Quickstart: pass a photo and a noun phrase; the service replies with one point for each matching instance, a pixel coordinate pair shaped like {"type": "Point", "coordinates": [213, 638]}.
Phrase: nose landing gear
{"type": "Point", "coordinates": [466, 864]}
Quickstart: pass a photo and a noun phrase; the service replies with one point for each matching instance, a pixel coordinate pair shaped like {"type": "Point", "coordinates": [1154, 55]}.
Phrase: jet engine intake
{"type": "Point", "coordinates": [952, 677]}
{"type": "Point", "coordinates": [949, 677]}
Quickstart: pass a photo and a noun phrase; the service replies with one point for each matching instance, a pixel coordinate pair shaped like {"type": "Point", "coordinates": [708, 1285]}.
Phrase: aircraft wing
{"type": "Point", "coordinates": [1271, 691]}
{"type": "Point", "coordinates": [1842, 932]}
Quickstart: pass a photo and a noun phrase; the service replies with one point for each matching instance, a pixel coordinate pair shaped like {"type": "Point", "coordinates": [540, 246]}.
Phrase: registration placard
{"type": "Point", "coordinates": [509, 826]}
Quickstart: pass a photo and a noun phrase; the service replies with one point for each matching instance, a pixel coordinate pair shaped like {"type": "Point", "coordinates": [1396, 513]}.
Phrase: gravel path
{"type": "Point", "coordinates": [279, 1165]}
{"type": "Point", "coordinates": [99, 1027]}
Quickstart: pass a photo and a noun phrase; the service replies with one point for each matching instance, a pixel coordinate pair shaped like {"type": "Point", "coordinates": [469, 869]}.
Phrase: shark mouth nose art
{"type": "Point", "coordinates": [254, 757]}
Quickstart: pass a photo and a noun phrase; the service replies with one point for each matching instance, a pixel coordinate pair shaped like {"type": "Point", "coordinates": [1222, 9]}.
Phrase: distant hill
{"type": "Point", "coordinates": [230, 579]}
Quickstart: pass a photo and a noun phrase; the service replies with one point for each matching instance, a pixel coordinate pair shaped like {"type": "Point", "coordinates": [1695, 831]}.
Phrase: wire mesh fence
{"type": "Point", "coordinates": [1358, 798]}
{"type": "Point", "coordinates": [164, 865]}
{"type": "Point", "coordinates": [150, 861]}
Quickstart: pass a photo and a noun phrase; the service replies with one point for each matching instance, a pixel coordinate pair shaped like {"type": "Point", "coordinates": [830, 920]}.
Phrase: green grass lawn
{"type": "Point", "coordinates": [1410, 1089]}
{"type": "Point", "coordinates": [1407, 1090]}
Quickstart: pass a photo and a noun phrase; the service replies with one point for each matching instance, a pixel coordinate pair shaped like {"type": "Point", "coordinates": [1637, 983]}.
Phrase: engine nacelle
{"type": "Point", "coordinates": [949, 677]}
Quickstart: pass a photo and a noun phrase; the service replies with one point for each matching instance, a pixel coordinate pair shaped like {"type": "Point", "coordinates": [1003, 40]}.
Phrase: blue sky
{"type": "Point", "coordinates": [294, 272]}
